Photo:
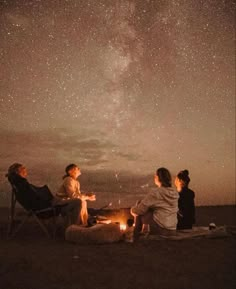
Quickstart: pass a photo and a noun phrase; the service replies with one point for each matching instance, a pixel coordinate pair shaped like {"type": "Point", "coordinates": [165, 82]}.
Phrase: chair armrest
{"type": "Point", "coordinates": [45, 211]}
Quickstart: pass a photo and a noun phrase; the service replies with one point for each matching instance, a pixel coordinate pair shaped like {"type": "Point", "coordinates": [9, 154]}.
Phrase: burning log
{"type": "Point", "coordinates": [114, 215]}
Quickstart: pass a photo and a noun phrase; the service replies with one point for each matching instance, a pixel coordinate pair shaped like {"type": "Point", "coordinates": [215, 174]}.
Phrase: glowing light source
{"type": "Point", "coordinates": [122, 227]}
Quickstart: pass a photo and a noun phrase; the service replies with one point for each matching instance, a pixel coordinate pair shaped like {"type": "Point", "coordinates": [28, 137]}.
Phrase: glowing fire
{"type": "Point", "coordinates": [122, 227]}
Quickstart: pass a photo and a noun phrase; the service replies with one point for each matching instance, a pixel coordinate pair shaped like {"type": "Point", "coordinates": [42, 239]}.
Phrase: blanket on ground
{"type": "Point", "coordinates": [196, 232]}
{"type": "Point", "coordinates": [110, 233]}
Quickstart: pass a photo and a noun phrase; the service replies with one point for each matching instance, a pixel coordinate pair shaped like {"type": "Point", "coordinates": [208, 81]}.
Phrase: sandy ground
{"type": "Point", "coordinates": [31, 261]}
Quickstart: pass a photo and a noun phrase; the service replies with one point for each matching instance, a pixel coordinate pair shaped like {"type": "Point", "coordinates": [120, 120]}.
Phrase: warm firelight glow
{"type": "Point", "coordinates": [122, 227]}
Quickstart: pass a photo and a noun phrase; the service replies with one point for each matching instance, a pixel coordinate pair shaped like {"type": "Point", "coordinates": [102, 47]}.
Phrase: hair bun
{"type": "Point", "coordinates": [186, 172]}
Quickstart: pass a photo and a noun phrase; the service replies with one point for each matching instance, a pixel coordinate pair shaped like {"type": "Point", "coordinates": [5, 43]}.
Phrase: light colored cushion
{"type": "Point", "coordinates": [97, 234]}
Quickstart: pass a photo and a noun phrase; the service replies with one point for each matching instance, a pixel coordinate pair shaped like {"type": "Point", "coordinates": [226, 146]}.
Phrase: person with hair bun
{"type": "Point", "coordinates": [158, 208]}
{"type": "Point", "coordinates": [186, 213]}
{"type": "Point", "coordinates": [70, 189]}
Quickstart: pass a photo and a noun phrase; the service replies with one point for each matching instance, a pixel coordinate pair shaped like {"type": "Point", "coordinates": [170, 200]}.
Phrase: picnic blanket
{"type": "Point", "coordinates": [196, 232]}
{"type": "Point", "coordinates": [110, 233]}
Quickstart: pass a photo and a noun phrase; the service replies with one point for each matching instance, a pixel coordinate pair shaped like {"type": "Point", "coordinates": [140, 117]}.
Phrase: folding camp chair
{"type": "Point", "coordinates": [38, 215]}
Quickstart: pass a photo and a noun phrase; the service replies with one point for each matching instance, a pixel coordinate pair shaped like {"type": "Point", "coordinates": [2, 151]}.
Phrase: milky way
{"type": "Point", "coordinates": [120, 87]}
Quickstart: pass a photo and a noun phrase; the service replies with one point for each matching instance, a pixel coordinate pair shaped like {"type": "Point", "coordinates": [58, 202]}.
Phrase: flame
{"type": "Point", "coordinates": [122, 227]}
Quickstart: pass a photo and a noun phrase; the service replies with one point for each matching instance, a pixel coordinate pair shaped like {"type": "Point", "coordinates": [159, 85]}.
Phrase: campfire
{"type": "Point", "coordinates": [104, 220]}
{"type": "Point", "coordinates": [123, 227]}
{"type": "Point", "coordinates": [120, 216]}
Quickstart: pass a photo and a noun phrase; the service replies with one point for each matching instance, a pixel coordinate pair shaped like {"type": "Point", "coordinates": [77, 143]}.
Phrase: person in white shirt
{"type": "Point", "coordinates": [70, 189]}
{"type": "Point", "coordinates": [159, 207]}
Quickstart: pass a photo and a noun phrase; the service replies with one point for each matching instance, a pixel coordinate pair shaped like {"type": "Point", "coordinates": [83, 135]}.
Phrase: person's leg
{"type": "Point", "coordinates": [147, 218]}
{"type": "Point", "coordinates": [72, 208]}
{"type": "Point", "coordinates": [140, 220]}
{"type": "Point", "coordinates": [84, 213]}
{"type": "Point", "coordinates": [138, 226]}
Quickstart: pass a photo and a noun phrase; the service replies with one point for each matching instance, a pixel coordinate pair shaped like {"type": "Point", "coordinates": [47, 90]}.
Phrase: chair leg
{"type": "Point", "coordinates": [42, 226]}
{"type": "Point", "coordinates": [54, 223]}
{"type": "Point", "coordinates": [65, 222]}
{"type": "Point", "coordinates": [20, 226]}
{"type": "Point", "coordinates": [10, 226]}
{"type": "Point", "coordinates": [12, 214]}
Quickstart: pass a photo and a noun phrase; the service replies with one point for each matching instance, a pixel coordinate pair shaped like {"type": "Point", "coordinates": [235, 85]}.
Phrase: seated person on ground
{"type": "Point", "coordinates": [70, 189]}
{"type": "Point", "coordinates": [159, 208]}
{"type": "Point", "coordinates": [37, 198]}
{"type": "Point", "coordinates": [186, 213]}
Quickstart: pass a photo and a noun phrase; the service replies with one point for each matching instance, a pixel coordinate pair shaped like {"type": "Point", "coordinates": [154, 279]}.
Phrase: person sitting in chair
{"type": "Point", "coordinates": [70, 189]}
{"type": "Point", "coordinates": [38, 198]}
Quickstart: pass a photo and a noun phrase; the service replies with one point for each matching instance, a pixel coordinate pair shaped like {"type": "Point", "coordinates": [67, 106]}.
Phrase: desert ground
{"type": "Point", "coordinates": [32, 261]}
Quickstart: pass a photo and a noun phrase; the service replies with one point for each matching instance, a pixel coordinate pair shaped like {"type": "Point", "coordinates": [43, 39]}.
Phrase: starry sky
{"type": "Point", "coordinates": [120, 88]}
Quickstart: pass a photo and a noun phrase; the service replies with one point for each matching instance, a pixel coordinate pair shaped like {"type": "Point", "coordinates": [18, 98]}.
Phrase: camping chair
{"type": "Point", "coordinates": [38, 215]}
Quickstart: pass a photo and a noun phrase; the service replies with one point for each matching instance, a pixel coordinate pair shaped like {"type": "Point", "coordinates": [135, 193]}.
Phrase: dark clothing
{"type": "Point", "coordinates": [186, 214]}
{"type": "Point", "coordinates": [71, 207]}
{"type": "Point", "coordinates": [38, 198]}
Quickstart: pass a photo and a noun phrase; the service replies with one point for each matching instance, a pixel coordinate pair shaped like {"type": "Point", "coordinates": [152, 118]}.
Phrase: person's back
{"type": "Point", "coordinates": [186, 209]}
{"type": "Point", "coordinates": [186, 213]}
{"type": "Point", "coordinates": [159, 208]}
{"type": "Point", "coordinates": [164, 204]}
{"type": "Point", "coordinates": [165, 207]}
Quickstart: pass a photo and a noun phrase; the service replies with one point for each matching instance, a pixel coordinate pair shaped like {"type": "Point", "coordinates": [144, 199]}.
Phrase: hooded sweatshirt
{"type": "Point", "coordinates": [164, 204]}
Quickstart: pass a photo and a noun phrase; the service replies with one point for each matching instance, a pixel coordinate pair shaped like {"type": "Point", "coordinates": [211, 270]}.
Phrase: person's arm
{"type": "Point", "coordinates": [139, 209]}
{"type": "Point", "coordinates": [144, 205]}
{"type": "Point", "coordinates": [180, 207]}
{"type": "Point", "coordinates": [84, 197]}
{"type": "Point", "coordinates": [36, 187]}
{"type": "Point", "coordinates": [88, 197]}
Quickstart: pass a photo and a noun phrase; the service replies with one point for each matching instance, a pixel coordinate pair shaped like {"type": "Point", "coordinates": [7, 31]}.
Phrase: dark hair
{"type": "Point", "coordinates": [130, 222]}
{"type": "Point", "coordinates": [184, 177]}
{"type": "Point", "coordinates": [13, 172]}
{"type": "Point", "coordinates": [164, 177]}
{"type": "Point", "coordinates": [68, 168]}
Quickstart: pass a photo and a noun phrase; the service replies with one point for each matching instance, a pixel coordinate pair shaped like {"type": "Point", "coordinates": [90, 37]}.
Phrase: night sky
{"type": "Point", "coordinates": [120, 88]}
